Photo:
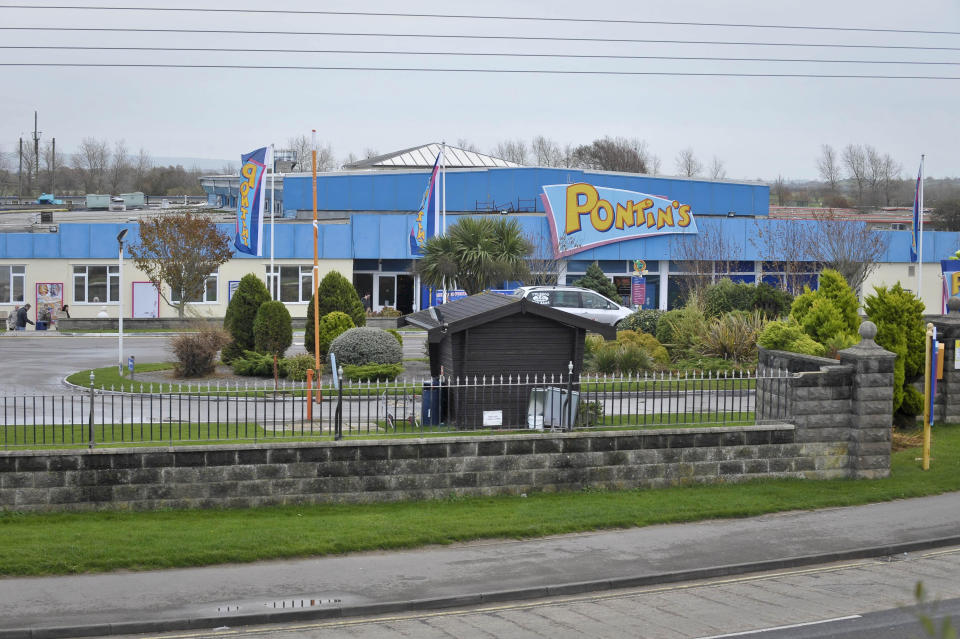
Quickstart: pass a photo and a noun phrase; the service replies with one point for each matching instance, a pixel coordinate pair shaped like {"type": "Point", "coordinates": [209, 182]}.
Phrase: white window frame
{"type": "Point", "coordinates": [304, 276]}
{"type": "Point", "coordinates": [211, 287]}
{"type": "Point", "coordinates": [13, 274]}
{"type": "Point", "coordinates": [113, 283]}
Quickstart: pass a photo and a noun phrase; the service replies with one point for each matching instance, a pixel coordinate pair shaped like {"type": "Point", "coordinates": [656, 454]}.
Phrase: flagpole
{"type": "Point", "coordinates": [443, 196]}
{"type": "Point", "coordinates": [273, 207]}
{"type": "Point", "coordinates": [316, 272]}
{"type": "Point", "coordinates": [920, 236]}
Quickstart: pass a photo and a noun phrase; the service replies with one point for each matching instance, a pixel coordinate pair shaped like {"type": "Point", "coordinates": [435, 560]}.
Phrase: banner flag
{"type": "Point", "coordinates": [253, 173]}
{"type": "Point", "coordinates": [425, 226]}
{"type": "Point", "coordinates": [915, 240]}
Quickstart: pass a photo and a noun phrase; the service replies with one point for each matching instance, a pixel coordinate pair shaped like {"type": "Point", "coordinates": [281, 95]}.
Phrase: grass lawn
{"type": "Point", "coordinates": [36, 544]}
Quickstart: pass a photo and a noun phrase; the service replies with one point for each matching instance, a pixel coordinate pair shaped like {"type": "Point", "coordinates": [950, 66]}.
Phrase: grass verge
{"type": "Point", "coordinates": [48, 544]}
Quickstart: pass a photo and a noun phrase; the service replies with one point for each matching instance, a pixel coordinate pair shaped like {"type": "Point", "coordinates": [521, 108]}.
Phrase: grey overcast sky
{"type": "Point", "coordinates": [758, 126]}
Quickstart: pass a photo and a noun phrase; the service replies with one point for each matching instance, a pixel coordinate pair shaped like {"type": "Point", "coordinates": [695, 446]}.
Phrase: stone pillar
{"type": "Point", "coordinates": [871, 405]}
{"type": "Point", "coordinates": [946, 405]}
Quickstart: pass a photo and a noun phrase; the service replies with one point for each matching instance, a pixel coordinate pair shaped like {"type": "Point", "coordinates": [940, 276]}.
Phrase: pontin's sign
{"type": "Point", "coordinates": [597, 215]}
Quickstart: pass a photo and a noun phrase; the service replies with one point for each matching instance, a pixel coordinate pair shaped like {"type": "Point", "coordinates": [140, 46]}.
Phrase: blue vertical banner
{"type": "Point", "coordinates": [425, 225]}
{"type": "Point", "coordinates": [253, 173]}
{"type": "Point", "coordinates": [917, 218]}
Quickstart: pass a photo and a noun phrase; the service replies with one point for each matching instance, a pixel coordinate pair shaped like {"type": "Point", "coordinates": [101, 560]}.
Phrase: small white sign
{"type": "Point", "coordinates": [493, 418]}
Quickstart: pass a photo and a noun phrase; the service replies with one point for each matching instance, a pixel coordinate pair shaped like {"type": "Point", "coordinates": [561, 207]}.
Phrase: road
{"type": "Point", "coordinates": [866, 599]}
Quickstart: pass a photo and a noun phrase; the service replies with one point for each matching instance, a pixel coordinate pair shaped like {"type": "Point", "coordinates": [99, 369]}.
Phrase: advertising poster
{"type": "Point", "coordinates": [49, 301]}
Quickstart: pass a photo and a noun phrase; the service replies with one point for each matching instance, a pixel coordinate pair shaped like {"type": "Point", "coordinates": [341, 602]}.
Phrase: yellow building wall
{"type": "Point", "coordinates": [891, 273]}
{"type": "Point", "coordinates": [60, 270]}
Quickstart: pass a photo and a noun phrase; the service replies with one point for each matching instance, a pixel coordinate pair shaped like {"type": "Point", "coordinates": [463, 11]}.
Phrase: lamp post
{"type": "Point", "coordinates": [120, 237]}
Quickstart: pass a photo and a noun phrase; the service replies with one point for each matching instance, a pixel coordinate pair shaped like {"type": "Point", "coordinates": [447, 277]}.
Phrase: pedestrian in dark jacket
{"type": "Point", "coordinates": [22, 319]}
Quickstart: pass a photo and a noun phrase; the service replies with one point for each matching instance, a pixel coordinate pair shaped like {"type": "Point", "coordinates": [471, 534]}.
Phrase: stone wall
{"type": "Point", "coordinates": [946, 406]}
{"type": "Point", "coordinates": [844, 404]}
{"type": "Point", "coordinates": [366, 471]}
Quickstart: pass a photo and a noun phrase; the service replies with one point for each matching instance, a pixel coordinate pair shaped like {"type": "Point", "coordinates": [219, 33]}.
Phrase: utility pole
{"type": "Point", "coordinates": [20, 172]}
{"type": "Point", "coordinates": [36, 152]}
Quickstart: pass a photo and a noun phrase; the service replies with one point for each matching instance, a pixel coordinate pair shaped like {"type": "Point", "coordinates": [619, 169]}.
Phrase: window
{"type": "Point", "coordinates": [12, 280]}
{"type": "Point", "coordinates": [567, 299]}
{"type": "Point", "coordinates": [209, 294]}
{"type": "Point", "coordinates": [96, 284]}
{"type": "Point", "coordinates": [296, 283]}
{"type": "Point", "coordinates": [593, 300]}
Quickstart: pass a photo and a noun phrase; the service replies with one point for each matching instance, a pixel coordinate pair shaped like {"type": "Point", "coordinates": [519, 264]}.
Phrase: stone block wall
{"type": "Point", "coordinates": [845, 404]}
{"type": "Point", "coordinates": [946, 406]}
{"type": "Point", "coordinates": [367, 471]}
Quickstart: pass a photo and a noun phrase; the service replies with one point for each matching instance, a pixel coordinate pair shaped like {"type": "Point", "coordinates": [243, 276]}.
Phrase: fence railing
{"type": "Point", "coordinates": [219, 414]}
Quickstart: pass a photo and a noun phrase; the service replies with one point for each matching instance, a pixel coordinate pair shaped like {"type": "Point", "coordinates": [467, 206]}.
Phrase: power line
{"type": "Point", "coordinates": [481, 37]}
{"type": "Point", "coordinates": [386, 14]}
{"type": "Point", "coordinates": [469, 54]}
{"type": "Point", "coordinates": [469, 70]}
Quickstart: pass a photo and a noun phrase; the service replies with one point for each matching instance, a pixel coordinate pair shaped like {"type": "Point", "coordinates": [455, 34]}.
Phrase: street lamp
{"type": "Point", "coordinates": [120, 237]}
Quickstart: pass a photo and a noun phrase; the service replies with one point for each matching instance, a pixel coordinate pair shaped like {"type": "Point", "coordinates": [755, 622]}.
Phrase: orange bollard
{"type": "Point", "coordinates": [309, 397]}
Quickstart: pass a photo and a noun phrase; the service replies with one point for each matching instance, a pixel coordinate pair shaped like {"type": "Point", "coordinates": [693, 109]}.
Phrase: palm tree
{"type": "Point", "coordinates": [476, 252]}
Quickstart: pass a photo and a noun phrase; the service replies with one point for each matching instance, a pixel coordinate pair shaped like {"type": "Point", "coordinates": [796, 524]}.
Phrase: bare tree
{"type": "Point", "coordinates": [91, 160]}
{"type": "Point", "coordinates": [467, 145]}
{"type": "Point", "coordinates": [52, 161]}
{"type": "Point", "coordinates": [545, 261]}
{"type": "Point", "coordinates": [781, 191]}
{"type": "Point", "coordinates": [846, 246]}
{"type": "Point", "coordinates": [855, 162]}
{"type": "Point", "coordinates": [696, 255]}
{"type": "Point", "coordinates": [717, 170]}
{"type": "Point", "coordinates": [883, 172]}
{"type": "Point", "coordinates": [302, 146]}
{"type": "Point", "coordinates": [546, 152]}
{"type": "Point", "coordinates": [512, 151]}
{"type": "Point", "coordinates": [141, 167]}
{"type": "Point", "coordinates": [370, 153]}
{"type": "Point", "coordinates": [829, 167]}
{"type": "Point", "coordinates": [119, 167]}
{"type": "Point", "coordinates": [783, 247]}
{"type": "Point", "coordinates": [613, 154]}
{"type": "Point", "coordinates": [653, 164]}
{"type": "Point", "coordinates": [687, 163]}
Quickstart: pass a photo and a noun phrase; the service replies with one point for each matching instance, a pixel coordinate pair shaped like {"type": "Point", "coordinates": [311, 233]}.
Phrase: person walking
{"type": "Point", "coordinates": [22, 319]}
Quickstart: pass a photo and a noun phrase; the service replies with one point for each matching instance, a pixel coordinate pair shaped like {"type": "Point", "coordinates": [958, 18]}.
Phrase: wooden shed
{"type": "Point", "coordinates": [491, 335]}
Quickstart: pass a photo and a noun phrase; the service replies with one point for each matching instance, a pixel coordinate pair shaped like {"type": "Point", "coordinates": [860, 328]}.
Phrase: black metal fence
{"type": "Point", "coordinates": [158, 415]}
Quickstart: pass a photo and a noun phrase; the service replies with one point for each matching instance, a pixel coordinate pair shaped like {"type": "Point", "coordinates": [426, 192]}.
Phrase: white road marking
{"type": "Point", "coordinates": [787, 627]}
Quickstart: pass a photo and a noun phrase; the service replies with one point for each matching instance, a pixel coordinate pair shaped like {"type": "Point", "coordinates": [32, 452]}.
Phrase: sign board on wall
{"type": "Point", "coordinates": [951, 280]}
{"type": "Point", "coordinates": [596, 215]}
{"type": "Point", "coordinates": [49, 300]}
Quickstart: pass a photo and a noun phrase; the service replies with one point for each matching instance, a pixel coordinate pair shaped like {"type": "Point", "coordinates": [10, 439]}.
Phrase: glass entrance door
{"type": "Point", "coordinates": [386, 291]}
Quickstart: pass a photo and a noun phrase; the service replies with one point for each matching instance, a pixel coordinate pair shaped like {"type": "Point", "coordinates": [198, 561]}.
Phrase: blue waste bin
{"type": "Point", "coordinates": [41, 325]}
{"type": "Point", "coordinates": [432, 408]}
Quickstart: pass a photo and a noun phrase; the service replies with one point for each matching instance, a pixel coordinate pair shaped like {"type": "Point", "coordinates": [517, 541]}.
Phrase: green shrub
{"type": "Point", "coordinates": [242, 310]}
{"type": "Point", "coordinates": [605, 359]}
{"type": "Point", "coordinates": [644, 320]}
{"type": "Point", "coordinates": [823, 321]}
{"type": "Point", "coordinates": [706, 365]}
{"type": "Point", "coordinates": [196, 352]}
{"type": "Point", "coordinates": [592, 343]}
{"type": "Point", "coordinates": [387, 311]}
{"type": "Point", "coordinates": [596, 280]}
{"type": "Point", "coordinates": [771, 301]}
{"type": "Point", "coordinates": [898, 315]}
{"type": "Point", "coordinates": [734, 336]}
{"type": "Point", "coordinates": [726, 296]}
{"type": "Point", "coordinates": [331, 326]}
{"type": "Point", "coordinates": [788, 336]}
{"type": "Point", "coordinates": [686, 329]}
{"type": "Point", "coordinates": [838, 342]}
{"type": "Point", "coordinates": [273, 332]}
{"type": "Point", "coordinates": [372, 372]}
{"type": "Point", "coordinates": [253, 364]}
{"type": "Point", "coordinates": [633, 359]}
{"type": "Point", "coordinates": [589, 414]}
{"type": "Point", "coordinates": [334, 293]}
{"type": "Point", "coordinates": [834, 287]}
{"type": "Point", "coordinates": [664, 332]}
{"type": "Point", "coordinates": [396, 334]}
{"type": "Point", "coordinates": [296, 367]}
{"type": "Point", "coordinates": [363, 345]}
{"type": "Point", "coordinates": [648, 343]}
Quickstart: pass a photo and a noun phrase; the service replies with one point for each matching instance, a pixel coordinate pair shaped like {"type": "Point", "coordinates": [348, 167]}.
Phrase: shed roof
{"type": "Point", "coordinates": [475, 310]}
{"type": "Point", "coordinates": [423, 157]}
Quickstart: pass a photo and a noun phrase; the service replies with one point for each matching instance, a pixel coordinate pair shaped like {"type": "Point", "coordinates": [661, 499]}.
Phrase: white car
{"type": "Point", "coordinates": [575, 300]}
